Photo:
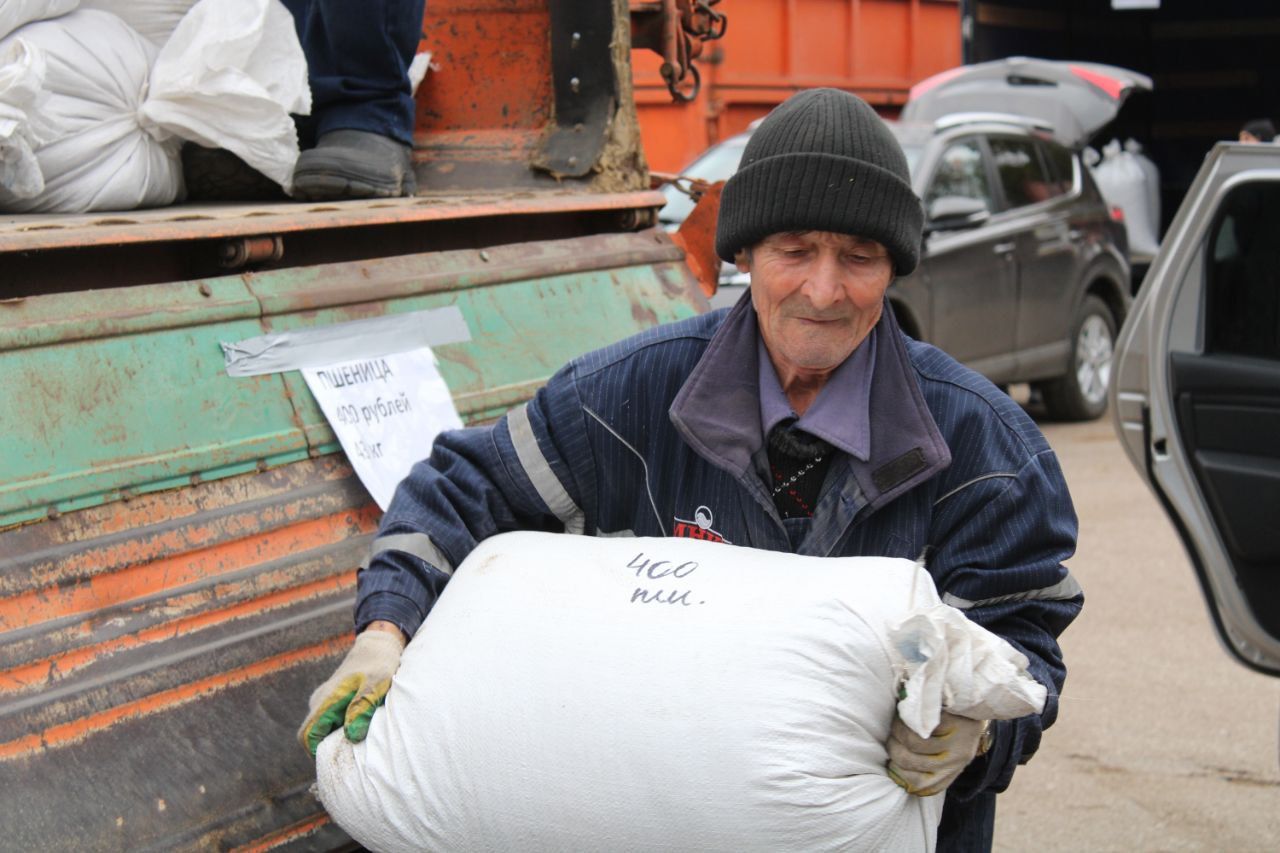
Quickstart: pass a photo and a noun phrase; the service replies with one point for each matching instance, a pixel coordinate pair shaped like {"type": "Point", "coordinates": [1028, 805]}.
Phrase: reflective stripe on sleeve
{"type": "Point", "coordinates": [415, 545]}
{"type": "Point", "coordinates": [539, 471]}
{"type": "Point", "coordinates": [999, 475]}
{"type": "Point", "coordinates": [1064, 590]}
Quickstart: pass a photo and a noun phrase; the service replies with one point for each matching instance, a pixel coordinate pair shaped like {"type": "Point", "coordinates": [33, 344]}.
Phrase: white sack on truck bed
{"type": "Point", "coordinates": [228, 77]}
{"type": "Point", "coordinates": [114, 111]}
{"type": "Point", "coordinates": [22, 127]}
{"type": "Point", "coordinates": [571, 693]}
{"type": "Point", "coordinates": [97, 156]}
{"type": "Point", "coordinates": [155, 20]}
{"type": "Point", "coordinates": [15, 13]}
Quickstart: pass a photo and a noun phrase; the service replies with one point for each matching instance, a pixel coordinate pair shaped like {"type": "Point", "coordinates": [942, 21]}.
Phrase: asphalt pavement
{"type": "Point", "coordinates": [1164, 742]}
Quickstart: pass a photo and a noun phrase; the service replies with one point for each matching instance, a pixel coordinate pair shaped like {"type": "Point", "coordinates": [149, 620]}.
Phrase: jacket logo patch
{"type": "Point", "coordinates": [699, 528]}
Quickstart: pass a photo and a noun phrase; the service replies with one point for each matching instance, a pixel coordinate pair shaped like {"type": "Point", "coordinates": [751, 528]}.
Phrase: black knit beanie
{"type": "Point", "coordinates": [822, 161]}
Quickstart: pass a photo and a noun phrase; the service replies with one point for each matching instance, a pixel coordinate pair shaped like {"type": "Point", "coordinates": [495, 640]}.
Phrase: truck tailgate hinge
{"type": "Point", "coordinates": [585, 85]}
{"type": "Point", "coordinates": [676, 30]}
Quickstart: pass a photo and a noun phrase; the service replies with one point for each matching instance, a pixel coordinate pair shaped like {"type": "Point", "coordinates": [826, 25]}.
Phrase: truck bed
{"type": "Point", "coordinates": [178, 546]}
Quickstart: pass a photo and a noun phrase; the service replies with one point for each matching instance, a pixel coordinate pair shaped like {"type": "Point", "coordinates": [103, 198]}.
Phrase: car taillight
{"type": "Point", "coordinates": [933, 82]}
{"type": "Point", "coordinates": [1114, 87]}
{"type": "Point", "coordinates": [1117, 214]}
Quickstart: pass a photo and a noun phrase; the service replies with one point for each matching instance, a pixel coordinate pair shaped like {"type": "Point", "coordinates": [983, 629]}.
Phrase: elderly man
{"type": "Point", "coordinates": [800, 420]}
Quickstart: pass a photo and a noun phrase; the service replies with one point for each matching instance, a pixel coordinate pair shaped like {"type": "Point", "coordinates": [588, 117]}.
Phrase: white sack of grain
{"type": "Point", "coordinates": [572, 693]}
{"type": "Point", "coordinates": [16, 13]}
{"type": "Point", "coordinates": [93, 116]}
{"type": "Point", "coordinates": [153, 19]}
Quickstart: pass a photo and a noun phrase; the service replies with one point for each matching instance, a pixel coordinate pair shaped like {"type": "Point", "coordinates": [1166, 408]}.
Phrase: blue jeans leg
{"type": "Point", "coordinates": [358, 54]}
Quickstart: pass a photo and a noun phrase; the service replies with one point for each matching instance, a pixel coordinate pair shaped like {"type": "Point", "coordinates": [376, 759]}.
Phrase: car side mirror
{"type": "Point", "coordinates": [953, 212]}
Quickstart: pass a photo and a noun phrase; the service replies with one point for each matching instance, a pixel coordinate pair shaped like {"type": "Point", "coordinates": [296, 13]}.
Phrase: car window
{"type": "Point", "coordinates": [1022, 175]}
{"type": "Point", "coordinates": [1243, 280]}
{"type": "Point", "coordinates": [960, 172]}
{"type": "Point", "coordinates": [1061, 167]}
{"type": "Point", "coordinates": [719, 162]}
{"type": "Point", "coordinates": [912, 153]}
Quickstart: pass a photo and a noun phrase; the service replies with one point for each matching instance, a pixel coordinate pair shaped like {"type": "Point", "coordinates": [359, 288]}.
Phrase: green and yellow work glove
{"type": "Point", "coordinates": [927, 766]}
{"type": "Point", "coordinates": [356, 689]}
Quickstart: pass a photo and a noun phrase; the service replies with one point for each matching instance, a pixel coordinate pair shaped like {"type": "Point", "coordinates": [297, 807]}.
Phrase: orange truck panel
{"type": "Point", "coordinates": [875, 48]}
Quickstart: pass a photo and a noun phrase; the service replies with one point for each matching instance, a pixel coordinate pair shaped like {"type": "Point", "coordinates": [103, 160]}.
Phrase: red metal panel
{"type": "Point", "coordinates": [493, 66]}
{"type": "Point", "coordinates": [757, 41]}
{"type": "Point", "coordinates": [884, 43]}
{"type": "Point", "coordinates": [669, 131]}
{"type": "Point", "coordinates": [824, 45]}
{"type": "Point", "coordinates": [875, 48]}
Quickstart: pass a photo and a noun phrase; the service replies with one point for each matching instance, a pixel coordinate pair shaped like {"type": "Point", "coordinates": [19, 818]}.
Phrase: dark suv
{"type": "Point", "coordinates": [1025, 271]}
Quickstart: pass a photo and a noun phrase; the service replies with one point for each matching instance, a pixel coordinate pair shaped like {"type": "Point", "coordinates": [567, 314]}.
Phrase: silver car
{"type": "Point", "coordinates": [1196, 400]}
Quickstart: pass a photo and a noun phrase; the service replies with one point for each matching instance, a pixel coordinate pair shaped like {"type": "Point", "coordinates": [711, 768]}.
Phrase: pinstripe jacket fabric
{"type": "Point", "coordinates": [660, 435]}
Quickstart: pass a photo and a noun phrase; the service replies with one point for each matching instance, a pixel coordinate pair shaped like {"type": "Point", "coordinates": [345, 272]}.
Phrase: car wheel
{"type": "Point", "coordinates": [1081, 394]}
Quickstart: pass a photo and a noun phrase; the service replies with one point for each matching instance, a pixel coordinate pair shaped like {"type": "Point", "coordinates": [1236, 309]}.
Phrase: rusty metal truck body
{"type": "Point", "coordinates": [178, 546]}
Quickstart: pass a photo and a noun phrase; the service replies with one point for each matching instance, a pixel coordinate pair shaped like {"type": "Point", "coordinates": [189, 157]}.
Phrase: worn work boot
{"type": "Point", "coordinates": [353, 164]}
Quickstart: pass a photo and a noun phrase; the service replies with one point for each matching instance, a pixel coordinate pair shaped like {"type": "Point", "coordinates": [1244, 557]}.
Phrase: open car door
{"type": "Point", "coordinates": [1196, 400]}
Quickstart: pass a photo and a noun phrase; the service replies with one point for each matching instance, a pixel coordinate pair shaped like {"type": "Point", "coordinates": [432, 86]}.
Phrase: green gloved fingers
{"type": "Point", "coordinates": [360, 711]}
{"type": "Point", "coordinates": [327, 717]}
{"type": "Point", "coordinates": [902, 783]}
{"type": "Point", "coordinates": [355, 690]}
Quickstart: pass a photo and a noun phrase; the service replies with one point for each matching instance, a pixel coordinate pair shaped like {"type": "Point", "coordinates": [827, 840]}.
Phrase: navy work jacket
{"type": "Point", "coordinates": [660, 435]}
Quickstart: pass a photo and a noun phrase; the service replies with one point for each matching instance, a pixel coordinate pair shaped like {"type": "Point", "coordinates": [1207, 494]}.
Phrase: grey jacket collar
{"type": "Point", "coordinates": [718, 409]}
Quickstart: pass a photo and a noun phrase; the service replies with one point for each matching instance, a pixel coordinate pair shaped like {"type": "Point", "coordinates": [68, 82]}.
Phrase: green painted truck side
{"type": "Point", "coordinates": [178, 545]}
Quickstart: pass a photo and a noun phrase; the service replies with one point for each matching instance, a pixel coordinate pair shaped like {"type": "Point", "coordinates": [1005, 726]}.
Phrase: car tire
{"type": "Point", "coordinates": [1081, 393]}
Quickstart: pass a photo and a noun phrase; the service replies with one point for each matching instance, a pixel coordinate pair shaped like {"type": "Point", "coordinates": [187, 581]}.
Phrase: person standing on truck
{"type": "Point", "coordinates": [358, 141]}
{"type": "Point", "coordinates": [359, 136]}
{"type": "Point", "coordinates": [800, 420]}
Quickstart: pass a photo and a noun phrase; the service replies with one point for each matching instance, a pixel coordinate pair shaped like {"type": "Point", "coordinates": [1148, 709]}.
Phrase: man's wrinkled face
{"type": "Point", "coordinates": [817, 296]}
